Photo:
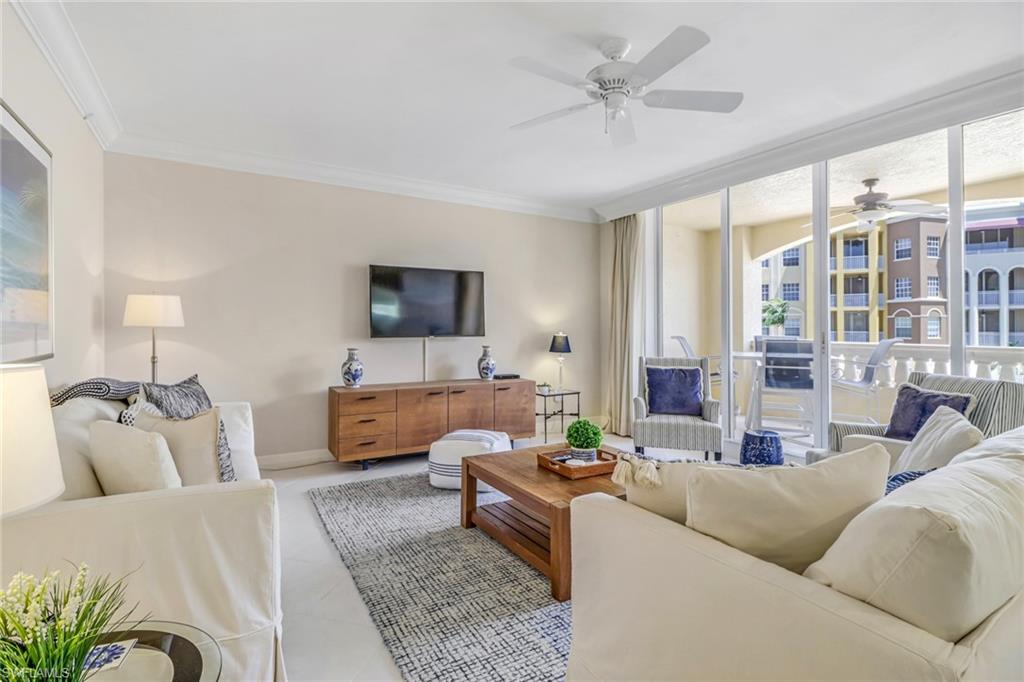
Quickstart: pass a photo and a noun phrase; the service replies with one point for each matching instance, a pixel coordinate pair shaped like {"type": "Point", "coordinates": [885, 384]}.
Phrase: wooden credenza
{"type": "Point", "coordinates": [383, 420]}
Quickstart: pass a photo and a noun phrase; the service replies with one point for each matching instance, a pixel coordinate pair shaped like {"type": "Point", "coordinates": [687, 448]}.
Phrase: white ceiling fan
{"type": "Point", "coordinates": [616, 82]}
{"type": "Point", "coordinates": [873, 206]}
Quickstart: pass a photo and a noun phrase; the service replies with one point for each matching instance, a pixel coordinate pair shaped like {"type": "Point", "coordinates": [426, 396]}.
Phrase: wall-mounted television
{"type": "Point", "coordinates": [420, 302]}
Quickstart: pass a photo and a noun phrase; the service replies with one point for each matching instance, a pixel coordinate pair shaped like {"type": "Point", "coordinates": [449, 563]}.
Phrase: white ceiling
{"type": "Point", "coordinates": [422, 92]}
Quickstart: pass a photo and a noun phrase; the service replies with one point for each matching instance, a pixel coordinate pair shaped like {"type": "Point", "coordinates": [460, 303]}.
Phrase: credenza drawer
{"type": "Point", "coordinates": [370, 424]}
{"type": "Point", "coordinates": [366, 402]}
{"type": "Point", "coordinates": [366, 447]}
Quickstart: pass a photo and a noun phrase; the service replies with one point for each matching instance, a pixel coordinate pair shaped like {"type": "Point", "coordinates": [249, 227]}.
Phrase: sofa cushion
{"type": "Point", "coordinates": [941, 554]}
{"type": "Point", "coordinates": [675, 390]}
{"type": "Point", "coordinates": [786, 515]}
{"type": "Point", "coordinates": [130, 460]}
{"type": "Point", "coordinates": [945, 435]}
{"type": "Point", "coordinates": [914, 405]}
{"type": "Point", "coordinates": [71, 420]}
{"type": "Point", "coordinates": [1009, 443]}
{"type": "Point", "coordinates": [192, 442]}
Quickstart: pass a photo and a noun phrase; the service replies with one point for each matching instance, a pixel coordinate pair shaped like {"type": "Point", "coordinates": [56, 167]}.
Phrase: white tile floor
{"type": "Point", "coordinates": [328, 634]}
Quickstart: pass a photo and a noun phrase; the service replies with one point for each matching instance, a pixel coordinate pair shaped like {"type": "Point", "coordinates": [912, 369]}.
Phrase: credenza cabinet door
{"type": "Point", "coordinates": [471, 407]}
{"type": "Point", "coordinates": [422, 416]}
{"type": "Point", "coordinates": [514, 408]}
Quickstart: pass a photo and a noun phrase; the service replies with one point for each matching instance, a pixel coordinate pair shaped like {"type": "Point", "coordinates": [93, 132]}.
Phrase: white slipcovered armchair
{"type": "Point", "coordinates": [205, 555]}
{"type": "Point", "coordinates": [675, 431]}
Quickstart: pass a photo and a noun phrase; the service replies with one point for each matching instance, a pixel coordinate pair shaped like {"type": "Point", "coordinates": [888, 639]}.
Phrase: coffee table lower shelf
{"type": "Point", "coordinates": [514, 526]}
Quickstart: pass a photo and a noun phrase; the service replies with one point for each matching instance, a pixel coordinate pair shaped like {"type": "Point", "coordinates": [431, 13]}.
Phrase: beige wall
{"type": "Point", "coordinates": [273, 278]}
{"type": "Point", "coordinates": [31, 89]}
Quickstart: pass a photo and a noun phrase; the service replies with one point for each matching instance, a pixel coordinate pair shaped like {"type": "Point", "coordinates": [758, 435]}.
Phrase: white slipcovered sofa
{"type": "Point", "coordinates": [206, 555]}
{"type": "Point", "coordinates": [656, 600]}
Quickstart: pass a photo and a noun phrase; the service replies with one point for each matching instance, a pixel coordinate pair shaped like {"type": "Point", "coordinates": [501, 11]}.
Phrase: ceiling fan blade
{"type": "Point", "coordinates": [552, 116]}
{"type": "Point", "coordinates": [621, 128]}
{"type": "Point", "coordinates": [694, 100]}
{"type": "Point", "coordinates": [916, 206]}
{"type": "Point", "coordinates": [680, 44]}
{"type": "Point", "coordinates": [541, 69]}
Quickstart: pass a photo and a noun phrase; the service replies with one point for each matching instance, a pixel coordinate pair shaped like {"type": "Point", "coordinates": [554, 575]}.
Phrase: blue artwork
{"type": "Point", "coordinates": [26, 244]}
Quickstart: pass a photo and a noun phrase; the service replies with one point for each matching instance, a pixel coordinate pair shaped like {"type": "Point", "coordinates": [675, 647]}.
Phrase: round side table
{"type": "Point", "coordinates": [761, 446]}
{"type": "Point", "coordinates": [174, 652]}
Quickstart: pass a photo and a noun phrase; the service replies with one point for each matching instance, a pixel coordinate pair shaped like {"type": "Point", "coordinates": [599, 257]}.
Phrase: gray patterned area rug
{"type": "Point", "coordinates": [450, 603]}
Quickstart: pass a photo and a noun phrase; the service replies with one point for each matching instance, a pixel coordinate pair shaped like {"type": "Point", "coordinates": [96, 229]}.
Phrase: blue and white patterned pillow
{"type": "Point", "coordinates": [902, 478]}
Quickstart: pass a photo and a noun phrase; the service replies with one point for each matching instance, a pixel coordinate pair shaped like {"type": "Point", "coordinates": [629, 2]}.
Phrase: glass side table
{"type": "Point", "coordinates": [559, 410]}
{"type": "Point", "coordinates": [174, 652]}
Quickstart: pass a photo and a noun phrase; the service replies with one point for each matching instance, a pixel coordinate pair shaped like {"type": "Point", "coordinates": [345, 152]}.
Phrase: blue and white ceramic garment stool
{"type": "Point", "coordinates": [445, 459]}
{"type": "Point", "coordinates": [761, 447]}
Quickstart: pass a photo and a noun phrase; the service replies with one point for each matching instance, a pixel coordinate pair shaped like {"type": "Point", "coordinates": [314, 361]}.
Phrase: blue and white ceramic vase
{"type": "Point", "coordinates": [352, 369]}
{"type": "Point", "coordinates": [485, 365]}
{"type": "Point", "coordinates": [761, 448]}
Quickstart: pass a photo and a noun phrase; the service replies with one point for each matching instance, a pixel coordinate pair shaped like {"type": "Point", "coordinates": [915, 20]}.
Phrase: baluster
{"type": "Point", "coordinates": [972, 368]}
{"type": "Point", "coordinates": [929, 366]}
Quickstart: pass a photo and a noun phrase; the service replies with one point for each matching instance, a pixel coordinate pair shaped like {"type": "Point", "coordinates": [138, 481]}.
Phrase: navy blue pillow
{"type": "Point", "coordinates": [896, 480]}
{"type": "Point", "coordinates": [914, 406]}
{"type": "Point", "coordinates": [675, 390]}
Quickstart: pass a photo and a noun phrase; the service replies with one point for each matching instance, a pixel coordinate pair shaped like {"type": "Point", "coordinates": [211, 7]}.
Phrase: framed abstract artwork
{"type": "Point", "coordinates": [26, 243]}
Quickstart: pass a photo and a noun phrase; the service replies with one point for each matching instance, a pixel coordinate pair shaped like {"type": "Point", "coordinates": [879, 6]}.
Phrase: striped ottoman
{"type": "Point", "coordinates": [445, 459]}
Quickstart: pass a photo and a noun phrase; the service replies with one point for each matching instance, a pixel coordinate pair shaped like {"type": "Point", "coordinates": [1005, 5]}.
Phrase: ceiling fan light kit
{"type": "Point", "coordinates": [617, 81]}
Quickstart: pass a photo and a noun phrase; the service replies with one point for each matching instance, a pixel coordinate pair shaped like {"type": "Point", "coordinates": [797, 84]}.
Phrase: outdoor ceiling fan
{"type": "Point", "coordinates": [617, 81]}
{"type": "Point", "coordinates": [873, 206]}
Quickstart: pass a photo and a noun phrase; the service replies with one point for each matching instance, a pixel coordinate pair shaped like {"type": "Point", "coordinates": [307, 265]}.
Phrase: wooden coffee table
{"type": "Point", "coordinates": [535, 522]}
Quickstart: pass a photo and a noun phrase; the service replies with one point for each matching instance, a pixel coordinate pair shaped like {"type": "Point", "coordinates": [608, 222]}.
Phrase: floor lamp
{"type": "Point", "coordinates": [151, 310]}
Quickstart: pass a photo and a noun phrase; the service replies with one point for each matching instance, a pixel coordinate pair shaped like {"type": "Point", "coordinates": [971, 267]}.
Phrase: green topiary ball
{"type": "Point", "coordinates": [584, 434]}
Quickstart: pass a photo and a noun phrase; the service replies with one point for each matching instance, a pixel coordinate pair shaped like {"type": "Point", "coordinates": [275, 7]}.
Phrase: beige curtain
{"type": "Point", "coordinates": [625, 321]}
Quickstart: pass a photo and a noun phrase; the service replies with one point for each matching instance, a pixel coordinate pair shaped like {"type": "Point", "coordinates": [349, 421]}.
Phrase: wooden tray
{"type": "Point", "coordinates": [607, 457]}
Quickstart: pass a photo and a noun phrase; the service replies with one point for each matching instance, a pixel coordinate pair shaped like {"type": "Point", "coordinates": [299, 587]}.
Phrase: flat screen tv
{"type": "Point", "coordinates": [417, 302]}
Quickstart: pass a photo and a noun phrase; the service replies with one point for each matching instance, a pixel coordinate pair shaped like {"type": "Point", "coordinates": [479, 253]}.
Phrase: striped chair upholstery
{"type": "Point", "coordinates": [998, 407]}
{"type": "Point", "coordinates": [679, 432]}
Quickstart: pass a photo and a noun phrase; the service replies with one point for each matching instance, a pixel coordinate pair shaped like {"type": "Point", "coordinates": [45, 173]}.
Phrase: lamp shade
{"type": "Point", "coordinates": [560, 344]}
{"type": "Point", "coordinates": [30, 473]}
{"type": "Point", "coordinates": [151, 310]}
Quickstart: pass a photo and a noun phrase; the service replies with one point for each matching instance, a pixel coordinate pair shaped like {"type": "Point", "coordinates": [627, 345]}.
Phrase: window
{"type": "Point", "coordinates": [764, 292]}
{"type": "Point", "coordinates": [934, 246]}
{"type": "Point", "coordinates": [791, 291]}
{"type": "Point", "coordinates": [903, 327]}
{"type": "Point", "coordinates": [765, 263]}
{"type": "Point", "coordinates": [792, 327]}
{"type": "Point", "coordinates": [901, 290]}
{"type": "Point", "coordinates": [933, 285]}
{"type": "Point", "coordinates": [791, 257]}
{"type": "Point", "coordinates": [901, 249]}
{"type": "Point", "coordinates": [934, 326]}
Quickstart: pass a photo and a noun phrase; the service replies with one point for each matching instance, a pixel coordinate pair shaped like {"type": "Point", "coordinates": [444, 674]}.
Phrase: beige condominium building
{"type": "Point", "coordinates": [889, 280]}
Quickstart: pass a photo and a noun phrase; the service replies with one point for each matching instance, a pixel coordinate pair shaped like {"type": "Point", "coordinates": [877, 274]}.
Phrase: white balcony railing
{"type": "Point", "coordinates": [855, 300]}
{"type": "Point", "coordinates": [988, 298]}
{"type": "Point", "coordinates": [1016, 296]}
{"type": "Point", "coordinates": [848, 360]}
{"type": "Point", "coordinates": [855, 262]}
{"type": "Point", "coordinates": [832, 263]}
{"type": "Point", "coordinates": [988, 338]}
{"type": "Point", "coordinates": [832, 300]}
{"type": "Point", "coordinates": [881, 299]}
{"type": "Point", "coordinates": [1016, 339]}
{"type": "Point", "coordinates": [881, 262]}
{"type": "Point", "coordinates": [987, 246]}
{"type": "Point", "coordinates": [855, 336]}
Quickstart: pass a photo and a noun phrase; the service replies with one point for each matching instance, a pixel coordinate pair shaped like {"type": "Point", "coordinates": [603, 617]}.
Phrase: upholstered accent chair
{"type": "Point", "coordinates": [999, 406]}
{"type": "Point", "coordinates": [678, 432]}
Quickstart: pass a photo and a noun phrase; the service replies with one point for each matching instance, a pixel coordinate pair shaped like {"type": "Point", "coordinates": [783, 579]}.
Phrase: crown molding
{"type": "Point", "coordinates": [246, 162]}
{"type": "Point", "coordinates": [51, 30]}
{"type": "Point", "coordinates": [979, 95]}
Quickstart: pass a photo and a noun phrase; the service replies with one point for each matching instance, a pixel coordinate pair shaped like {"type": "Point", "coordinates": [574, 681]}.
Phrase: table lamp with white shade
{"type": "Point", "coordinates": [30, 473]}
{"type": "Point", "coordinates": [152, 310]}
{"type": "Point", "coordinates": [560, 345]}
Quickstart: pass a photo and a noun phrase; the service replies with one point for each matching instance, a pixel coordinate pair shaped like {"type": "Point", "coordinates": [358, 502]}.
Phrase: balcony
{"type": "Point", "coordinates": [832, 263]}
{"type": "Point", "coordinates": [855, 300]}
{"type": "Point", "coordinates": [1016, 339]}
{"type": "Point", "coordinates": [881, 300]}
{"type": "Point", "coordinates": [988, 338]}
{"type": "Point", "coordinates": [987, 247]}
{"type": "Point", "coordinates": [855, 336]}
{"type": "Point", "coordinates": [881, 262]}
{"type": "Point", "coordinates": [988, 298]}
{"type": "Point", "coordinates": [1017, 297]}
{"type": "Point", "coordinates": [831, 300]}
{"type": "Point", "coordinates": [855, 262]}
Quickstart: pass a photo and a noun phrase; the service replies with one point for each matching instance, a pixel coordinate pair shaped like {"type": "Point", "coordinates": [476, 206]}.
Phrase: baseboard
{"type": "Point", "coordinates": [290, 460]}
